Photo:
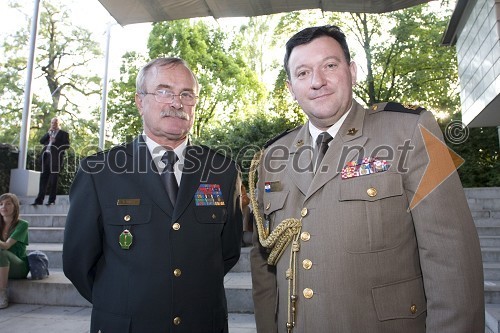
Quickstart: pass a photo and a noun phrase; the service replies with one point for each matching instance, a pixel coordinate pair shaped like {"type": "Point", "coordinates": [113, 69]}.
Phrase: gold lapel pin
{"type": "Point", "coordinates": [352, 131]}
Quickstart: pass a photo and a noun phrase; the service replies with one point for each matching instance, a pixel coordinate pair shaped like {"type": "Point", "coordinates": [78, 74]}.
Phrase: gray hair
{"type": "Point", "coordinates": [140, 83]}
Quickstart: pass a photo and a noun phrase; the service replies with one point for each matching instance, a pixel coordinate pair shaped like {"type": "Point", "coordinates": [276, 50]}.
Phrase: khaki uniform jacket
{"type": "Point", "coordinates": [366, 262]}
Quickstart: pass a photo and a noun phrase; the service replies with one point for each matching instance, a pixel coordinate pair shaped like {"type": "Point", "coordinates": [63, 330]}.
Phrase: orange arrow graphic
{"type": "Point", "coordinates": [442, 163]}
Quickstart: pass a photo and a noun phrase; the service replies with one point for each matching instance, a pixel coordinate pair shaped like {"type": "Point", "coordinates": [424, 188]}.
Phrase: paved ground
{"type": "Point", "coordinates": [27, 318]}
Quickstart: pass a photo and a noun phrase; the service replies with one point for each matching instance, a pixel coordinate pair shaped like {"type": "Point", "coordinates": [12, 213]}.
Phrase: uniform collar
{"type": "Point", "coordinates": [333, 130]}
{"type": "Point", "coordinates": [156, 150]}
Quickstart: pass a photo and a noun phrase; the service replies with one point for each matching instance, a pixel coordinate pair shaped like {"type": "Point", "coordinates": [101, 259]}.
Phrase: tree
{"type": "Point", "coordinates": [242, 139]}
{"type": "Point", "coordinates": [479, 149]}
{"type": "Point", "coordinates": [64, 55]}
{"type": "Point", "coordinates": [122, 111]}
{"type": "Point", "coordinates": [229, 88]}
{"type": "Point", "coordinates": [254, 40]}
{"type": "Point", "coordinates": [398, 54]}
{"type": "Point", "coordinates": [406, 62]}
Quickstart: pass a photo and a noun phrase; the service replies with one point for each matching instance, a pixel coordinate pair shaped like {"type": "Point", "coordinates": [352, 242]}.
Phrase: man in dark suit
{"type": "Point", "coordinates": [148, 259]}
{"type": "Point", "coordinates": [54, 142]}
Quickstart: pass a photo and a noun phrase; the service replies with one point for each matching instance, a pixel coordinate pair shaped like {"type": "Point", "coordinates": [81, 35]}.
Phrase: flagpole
{"type": "Point", "coordinates": [104, 97]}
{"type": "Point", "coordinates": [28, 94]}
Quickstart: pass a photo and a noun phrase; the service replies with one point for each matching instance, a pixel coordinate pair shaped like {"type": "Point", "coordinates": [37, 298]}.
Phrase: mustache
{"type": "Point", "coordinates": [175, 113]}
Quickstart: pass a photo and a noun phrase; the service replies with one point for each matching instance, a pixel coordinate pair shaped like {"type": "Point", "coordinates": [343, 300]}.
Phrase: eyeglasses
{"type": "Point", "coordinates": [166, 96]}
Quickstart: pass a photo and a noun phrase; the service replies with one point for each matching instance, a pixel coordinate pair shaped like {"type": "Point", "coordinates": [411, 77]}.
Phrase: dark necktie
{"type": "Point", "coordinates": [168, 175]}
{"type": "Point", "coordinates": [322, 143]}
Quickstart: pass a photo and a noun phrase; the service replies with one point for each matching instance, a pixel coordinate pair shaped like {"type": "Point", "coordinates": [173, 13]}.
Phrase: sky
{"type": "Point", "coordinates": [89, 14]}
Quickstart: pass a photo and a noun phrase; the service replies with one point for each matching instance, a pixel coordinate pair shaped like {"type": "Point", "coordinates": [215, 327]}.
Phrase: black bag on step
{"type": "Point", "coordinates": [39, 265]}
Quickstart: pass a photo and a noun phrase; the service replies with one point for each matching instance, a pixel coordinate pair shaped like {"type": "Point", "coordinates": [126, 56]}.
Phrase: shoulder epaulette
{"type": "Point", "coordinates": [397, 107]}
{"type": "Point", "coordinates": [105, 151]}
{"type": "Point", "coordinates": [282, 134]}
{"type": "Point", "coordinates": [222, 152]}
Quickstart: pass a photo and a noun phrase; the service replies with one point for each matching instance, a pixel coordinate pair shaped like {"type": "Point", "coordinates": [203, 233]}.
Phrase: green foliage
{"type": "Point", "coordinates": [63, 66]}
{"type": "Point", "coordinates": [8, 161]}
{"type": "Point", "coordinates": [229, 88]}
{"type": "Point", "coordinates": [283, 106]}
{"type": "Point", "coordinates": [242, 139]}
{"type": "Point", "coordinates": [254, 39]}
{"type": "Point", "coordinates": [122, 111]}
{"type": "Point", "coordinates": [67, 174]}
{"type": "Point", "coordinates": [480, 151]}
{"type": "Point", "coordinates": [406, 62]}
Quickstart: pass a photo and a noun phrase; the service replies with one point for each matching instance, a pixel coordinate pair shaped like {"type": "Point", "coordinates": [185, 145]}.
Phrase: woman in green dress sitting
{"type": "Point", "coordinates": [13, 242]}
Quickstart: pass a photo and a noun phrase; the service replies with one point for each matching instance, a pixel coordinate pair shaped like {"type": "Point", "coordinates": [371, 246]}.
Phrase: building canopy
{"type": "Point", "coordinates": [139, 11]}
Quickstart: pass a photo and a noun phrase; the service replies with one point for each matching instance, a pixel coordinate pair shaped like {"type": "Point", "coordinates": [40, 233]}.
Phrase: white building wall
{"type": "Point", "coordinates": [478, 53]}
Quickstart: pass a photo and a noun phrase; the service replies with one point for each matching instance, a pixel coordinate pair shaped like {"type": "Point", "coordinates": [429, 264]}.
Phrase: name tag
{"type": "Point", "coordinates": [128, 202]}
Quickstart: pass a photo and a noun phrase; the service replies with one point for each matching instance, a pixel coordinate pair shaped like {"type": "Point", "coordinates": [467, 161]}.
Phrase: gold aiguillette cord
{"type": "Point", "coordinates": [287, 231]}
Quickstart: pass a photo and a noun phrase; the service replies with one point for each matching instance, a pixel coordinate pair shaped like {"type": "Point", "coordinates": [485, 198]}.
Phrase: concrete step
{"type": "Point", "coordinates": [60, 200]}
{"type": "Point", "coordinates": [46, 234]}
{"type": "Point", "coordinates": [243, 265]}
{"type": "Point", "coordinates": [54, 254]}
{"type": "Point", "coordinates": [492, 318]}
{"type": "Point", "coordinates": [45, 220]}
{"type": "Point", "coordinates": [488, 231]}
{"type": "Point", "coordinates": [28, 318]}
{"type": "Point", "coordinates": [52, 250]}
{"type": "Point", "coordinates": [239, 292]}
{"type": "Point", "coordinates": [491, 271]}
{"type": "Point", "coordinates": [480, 214]}
{"type": "Point", "coordinates": [54, 290]}
{"type": "Point", "coordinates": [490, 254]}
{"type": "Point", "coordinates": [58, 208]}
{"type": "Point", "coordinates": [484, 204]}
{"type": "Point", "coordinates": [492, 291]}
{"type": "Point", "coordinates": [483, 198]}
{"type": "Point", "coordinates": [57, 290]}
{"type": "Point", "coordinates": [487, 222]}
{"type": "Point", "coordinates": [482, 192]}
{"type": "Point", "coordinates": [489, 241]}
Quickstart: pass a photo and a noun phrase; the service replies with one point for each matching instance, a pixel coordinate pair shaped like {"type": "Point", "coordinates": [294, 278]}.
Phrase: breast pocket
{"type": "Point", "coordinates": [210, 214]}
{"type": "Point", "coordinates": [273, 206]}
{"type": "Point", "coordinates": [127, 215]}
{"type": "Point", "coordinates": [374, 211]}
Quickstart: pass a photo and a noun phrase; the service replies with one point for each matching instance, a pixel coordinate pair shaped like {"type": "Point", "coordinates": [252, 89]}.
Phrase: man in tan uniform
{"type": "Point", "coordinates": [359, 257]}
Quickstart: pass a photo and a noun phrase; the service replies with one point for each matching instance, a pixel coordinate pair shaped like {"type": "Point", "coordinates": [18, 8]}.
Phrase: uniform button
{"type": "Point", "coordinates": [305, 236]}
{"type": "Point", "coordinates": [177, 272]}
{"type": "Point", "coordinates": [371, 192]}
{"type": "Point", "coordinates": [177, 320]}
{"type": "Point", "coordinates": [214, 216]}
{"type": "Point", "coordinates": [308, 293]}
{"type": "Point", "coordinates": [176, 226]}
{"type": "Point", "coordinates": [413, 309]}
{"type": "Point", "coordinates": [303, 212]}
{"type": "Point", "coordinates": [127, 218]}
{"type": "Point", "coordinates": [268, 205]}
{"type": "Point", "coordinates": [307, 264]}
